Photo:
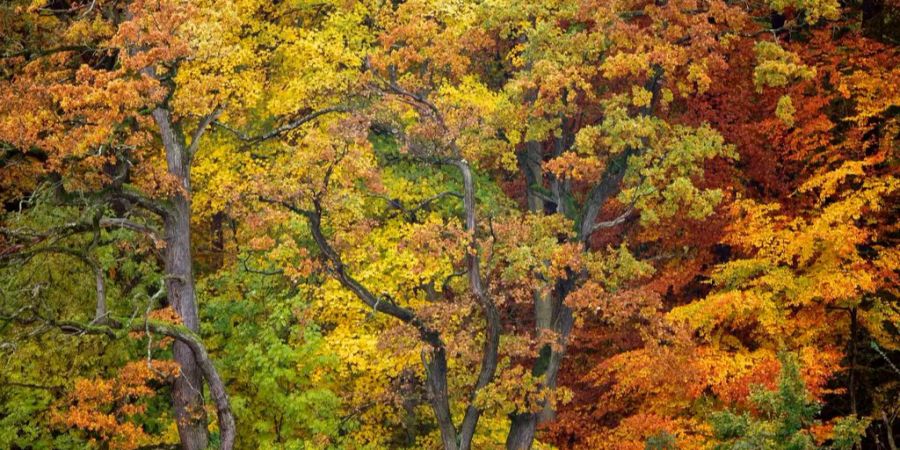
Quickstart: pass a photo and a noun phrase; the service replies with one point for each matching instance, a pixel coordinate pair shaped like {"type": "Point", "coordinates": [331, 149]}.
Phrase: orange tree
{"type": "Point", "coordinates": [821, 154]}
{"type": "Point", "coordinates": [86, 91]}
{"type": "Point", "coordinates": [104, 108]}
{"type": "Point", "coordinates": [576, 108]}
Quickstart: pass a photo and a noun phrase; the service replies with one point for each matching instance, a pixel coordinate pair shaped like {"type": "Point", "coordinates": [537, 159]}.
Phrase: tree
{"type": "Point", "coordinates": [786, 419]}
{"type": "Point", "coordinates": [78, 83]}
{"type": "Point", "coordinates": [430, 103]}
{"type": "Point", "coordinates": [458, 225]}
{"type": "Point", "coordinates": [786, 164]}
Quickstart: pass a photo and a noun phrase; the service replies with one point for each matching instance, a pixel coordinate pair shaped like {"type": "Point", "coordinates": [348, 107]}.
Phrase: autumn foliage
{"type": "Point", "coordinates": [574, 224]}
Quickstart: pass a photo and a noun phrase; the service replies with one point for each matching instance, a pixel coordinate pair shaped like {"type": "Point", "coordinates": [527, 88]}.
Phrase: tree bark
{"type": "Point", "coordinates": [889, 430]}
{"type": "Point", "coordinates": [227, 431]}
{"type": "Point", "coordinates": [434, 357]}
{"type": "Point", "coordinates": [563, 326]}
{"type": "Point", "coordinates": [436, 384]}
{"type": "Point", "coordinates": [551, 312]}
{"type": "Point", "coordinates": [100, 310]}
{"type": "Point", "coordinates": [188, 390]}
{"type": "Point", "coordinates": [852, 382]}
{"type": "Point", "coordinates": [521, 431]}
{"type": "Point", "coordinates": [530, 165]}
{"type": "Point", "coordinates": [489, 356]}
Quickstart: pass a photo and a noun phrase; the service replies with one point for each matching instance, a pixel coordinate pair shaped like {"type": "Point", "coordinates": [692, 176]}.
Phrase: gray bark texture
{"type": "Point", "coordinates": [188, 390]}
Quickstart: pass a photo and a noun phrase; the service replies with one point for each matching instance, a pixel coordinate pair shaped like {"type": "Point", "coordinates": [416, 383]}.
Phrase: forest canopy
{"type": "Point", "coordinates": [449, 224]}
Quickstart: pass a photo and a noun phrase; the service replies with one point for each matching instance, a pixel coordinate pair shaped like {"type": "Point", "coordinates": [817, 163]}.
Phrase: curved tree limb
{"type": "Point", "coordinates": [435, 360]}
{"type": "Point", "coordinates": [292, 125]}
{"type": "Point", "coordinates": [115, 329]}
{"type": "Point", "coordinates": [489, 356]}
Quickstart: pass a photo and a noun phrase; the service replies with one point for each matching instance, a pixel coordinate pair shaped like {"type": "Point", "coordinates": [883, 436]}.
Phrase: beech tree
{"type": "Point", "coordinates": [430, 224]}
{"type": "Point", "coordinates": [76, 93]}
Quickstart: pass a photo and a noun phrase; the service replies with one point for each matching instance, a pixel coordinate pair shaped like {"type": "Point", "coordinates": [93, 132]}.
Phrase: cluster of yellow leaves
{"type": "Point", "coordinates": [634, 432]}
{"type": "Point", "coordinates": [265, 64]}
{"type": "Point", "coordinates": [660, 182]}
{"type": "Point", "coordinates": [776, 67]}
{"type": "Point", "coordinates": [873, 88]}
{"type": "Point", "coordinates": [799, 268]}
{"type": "Point", "coordinates": [785, 110]}
{"type": "Point", "coordinates": [315, 64]}
{"type": "Point", "coordinates": [513, 390]}
{"type": "Point", "coordinates": [473, 113]}
{"type": "Point", "coordinates": [814, 9]}
{"type": "Point", "coordinates": [529, 249]}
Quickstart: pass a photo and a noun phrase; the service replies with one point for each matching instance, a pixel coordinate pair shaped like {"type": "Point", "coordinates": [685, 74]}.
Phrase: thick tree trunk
{"type": "Point", "coordinates": [227, 430]}
{"type": "Point", "coordinates": [521, 431]}
{"type": "Point", "coordinates": [550, 312]}
{"type": "Point", "coordinates": [188, 390]}
{"type": "Point", "coordinates": [436, 382]}
{"type": "Point", "coordinates": [558, 318]}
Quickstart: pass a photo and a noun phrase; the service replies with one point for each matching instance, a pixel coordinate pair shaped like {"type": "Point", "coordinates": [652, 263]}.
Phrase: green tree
{"type": "Point", "coordinates": [783, 419]}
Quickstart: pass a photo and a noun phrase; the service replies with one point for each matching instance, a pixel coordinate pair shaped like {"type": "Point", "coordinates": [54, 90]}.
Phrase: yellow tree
{"type": "Point", "coordinates": [574, 99]}
{"type": "Point", "coordinates": [106, 103]}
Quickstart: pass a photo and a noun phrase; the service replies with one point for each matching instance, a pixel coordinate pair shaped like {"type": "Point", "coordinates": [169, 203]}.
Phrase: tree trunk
{"type": "Point", "coordinates": [889, 428]}
{"type": "Point", "coordinates": [852, 383]}
{"type": "Point", "coordinates": [563, 326]}
{"type": "Point", "coordinates": [489, 357]}
{"type": "Point", "coordinates": [436, 382]}
{"type": "Point", "coordinates": [550, 312]}
{"type": "Point", "coordinates": [218, 243]}
{"type": "Point", "coordinates": [188, 390]}
{"type": "Point", "coordinates": [100, 310]}
{"type": "Point", "coordinates": [521, 431]}
{"type": "Point", "coordinates": [559, 319]}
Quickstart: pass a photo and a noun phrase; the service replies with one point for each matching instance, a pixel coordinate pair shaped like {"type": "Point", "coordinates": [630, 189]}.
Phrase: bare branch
{"type": "Point", "coordinates": [111, 222]}
{"type": "Point", "coordinates": [144, 202]}
{"type": "Point", "coordinates": [201, 128]}
{"type": "Point", "coordinates": [410, 212]}
{"type": "Point", "coordinates": [612, 177]}
{"type": "Point", "coordinates": [617, 221]}
{"type": "Point", "coordinates": [292, 125]}
{"type": "Point", "coordinates": [31, 54]}
{"type": "Point", "coordinates": [27, 237]}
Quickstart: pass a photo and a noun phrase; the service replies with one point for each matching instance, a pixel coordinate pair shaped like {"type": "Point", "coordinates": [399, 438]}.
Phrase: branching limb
{"type": "Point", "coordinates": [201, 129]}
{"type": "Point", "coordinates": [411, 212]}
{"type": "Point", "coordinates": [490, 353]}
{"type": "Point", "coordinates": [292, 125]}
{"type": "Point", "coordinates": [620, 219]}
{"type": "Point", "coordinates": [115, 329]}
